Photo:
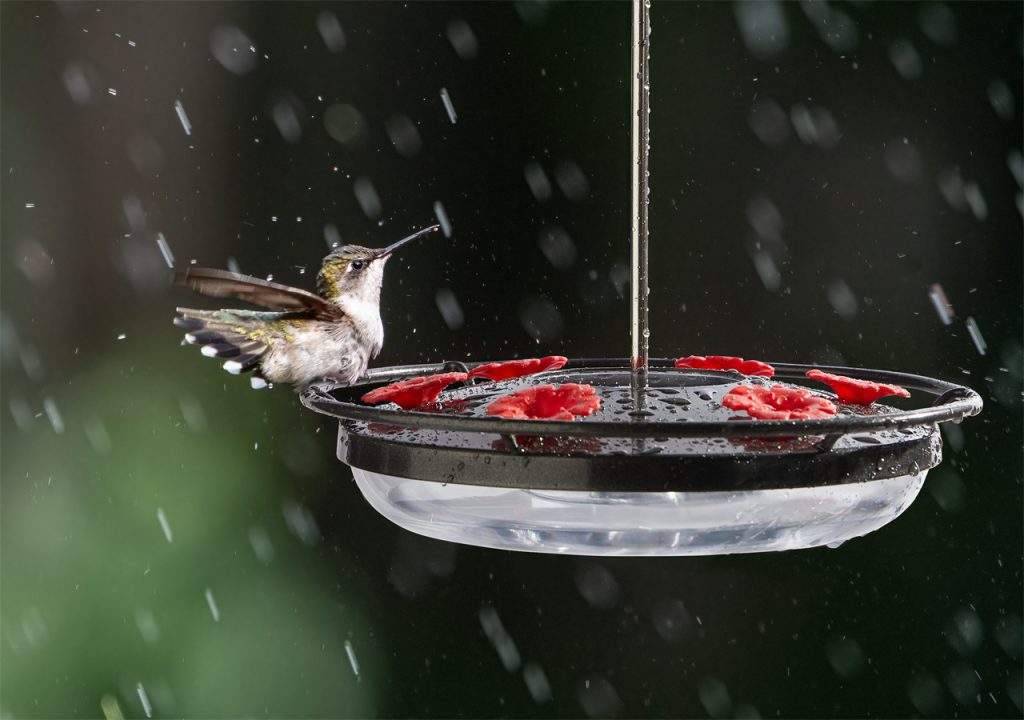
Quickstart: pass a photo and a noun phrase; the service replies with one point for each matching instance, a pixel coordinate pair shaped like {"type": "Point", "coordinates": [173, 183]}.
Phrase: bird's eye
{"type": "Point", "coordinates": [358, 264]}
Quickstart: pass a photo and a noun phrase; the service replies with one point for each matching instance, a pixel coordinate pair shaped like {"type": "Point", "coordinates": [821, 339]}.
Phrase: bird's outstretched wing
{"type": "Point", "coordinates": [274, 296]}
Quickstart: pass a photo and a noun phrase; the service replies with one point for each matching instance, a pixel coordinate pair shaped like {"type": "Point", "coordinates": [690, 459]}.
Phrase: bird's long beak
{"type": "Point", "coordinates": [385, 252]}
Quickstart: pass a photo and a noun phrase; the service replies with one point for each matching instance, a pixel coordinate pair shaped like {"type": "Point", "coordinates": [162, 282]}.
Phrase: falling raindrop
{"type": "Point", "coordinates": [448, 106]}
{"type": "Point", "coordinates": [442, 219]}
{"type": "Point", "coordinates": [925, 693]}
{"type": "Point", "coordinates": [598, 698]}
{"type": "Point", "coordinates": [164, 525]}
{"type": "Point", "coordinates": [842, 299]}
{"type": "Point", "coordinates": [765, 218]}
{"type": "Point", "coordinates": [77, 83]}
{"type": "Point", "coordinates": [943, 308]}
{"type": "Point", "coordinates": [179, 110]}
{"type": "Point", "coordinates": [330, 29]}
{"type": "Point", "coordinates": [331, 236]}
{"type": "Point", "coordinates": [964, 631]}
{"type": "Point", "coordinates": [769, 122]}
{"type": "Point", "coordinates": [134, 213]}
{"type": "Point", "coordinates": [1008, 634]}
{"type": "Point", "coordinates": [938, 23]}
{"type": "Point", "coordinates": [262, 547]}
{"type": "Point", "coordinates": [1001, 97]}
{"type": "Point", "coordinates": [35, 262]}
{"type": "Point", "coordinates": [193, 413]}
{"type": "Point", "coordinates": [367, 197]}
{"type": "Point", "coordinates": [463, 41]}
{"type": "Point", "coordinates": [145, 154]}
{"type": "Point", "coordinates": [20, 411]}
{"type": "Point", "coordinates": [975, 332]}
{"type": "Point", "coordinates": [352, 660]}
{"type": "Point", "coordinates": [902, 160]}
{"type": "Point", "coordinates": [803, 123]}
{"type": "Point", "coordinates": [671, 620]}
{"type": "Point", "coordinates": [233, 49]}
{"type": "Point", "coordinates": [846, 657]}
{"type": "Point", "coordinates": [144, 699]}
{"type": "Point", "coordinates": [286, 119]}
{"type": "Point", "coordinates": [763, 27]}
{"type": "Point", "coordinates": [557, 247]}
{"type": "Point", "coordinates": [451, 311]}
{"type": "Point", "coordinates": [572, 181]}
{"type": "Point", "coordinates": [714, 696]}
{"type": "Point", "coordinates": [1015, 161]}
{"type": "Point", "coordinates": [403, 135]}
{"type": "Point", "coordinates": [767, 270]}
{"type": "Point", "coordinates": [836, 29]}
{"type": "Point", "coordinates": [537, 683]}
{"type": "Point", "coordinates": [165, 249]}
{"type": "Point", "coordinates": [148, 628]}
{"type": "Point", "coordinates": [500, 639]}
{"type": "Point", "coordinates": [540, 318]}
{"type": "Point", "coordinates": [905, 59]}
{"type": "Point", "coordinates": [537, 180]}
{"type": "Point", "coordinates": [53, 414]}
{"type": "Point", "coordinates": [343, 123]}
{"type": "Point", "coordinates": [975, 200]}
{"type": "Point", "coordinates": [597, 586]}
{"type": "Point", "coordinates": [211, 603]}
{"type": "Point", "coordinates": [951, 185]}
{"type": "Point", "coordinates": [619, 275]}
{"type": "Point", "coordinates": [301, 522]}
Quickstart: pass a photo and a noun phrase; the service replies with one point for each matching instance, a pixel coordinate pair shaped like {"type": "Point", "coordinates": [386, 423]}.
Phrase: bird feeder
{"type": "Point", "coordinates": [662, 468]}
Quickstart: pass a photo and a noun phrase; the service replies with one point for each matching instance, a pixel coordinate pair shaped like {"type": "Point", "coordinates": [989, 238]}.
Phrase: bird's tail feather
{"type": "Point", "coordinates": [230, 334]}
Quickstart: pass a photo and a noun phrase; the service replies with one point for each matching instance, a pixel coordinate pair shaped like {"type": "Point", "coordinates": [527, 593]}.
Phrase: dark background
{"type": "Point", "coordinates": [815, 170]}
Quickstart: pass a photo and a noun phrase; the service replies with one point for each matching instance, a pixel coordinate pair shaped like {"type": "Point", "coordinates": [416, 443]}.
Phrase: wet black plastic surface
{"type": "Point", "coordinates": [677, 437]}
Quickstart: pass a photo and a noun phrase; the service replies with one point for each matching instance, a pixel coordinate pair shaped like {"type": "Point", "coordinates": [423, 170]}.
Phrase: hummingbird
{"type": "Point", "coordinates": [300, 337]}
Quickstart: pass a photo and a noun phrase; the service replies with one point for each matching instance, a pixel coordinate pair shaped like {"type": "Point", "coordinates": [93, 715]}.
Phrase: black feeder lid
{"type": "Point", "coordinates": [682, 440]}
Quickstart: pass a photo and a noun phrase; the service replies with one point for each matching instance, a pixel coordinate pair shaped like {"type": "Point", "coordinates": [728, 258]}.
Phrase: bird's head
{"type": "Point", "coordinates": [357, 272]}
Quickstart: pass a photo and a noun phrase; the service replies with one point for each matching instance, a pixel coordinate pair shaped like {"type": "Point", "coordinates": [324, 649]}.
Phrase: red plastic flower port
{"type": "Point", "coordinates": [517, 368]}
{"type": "Point", "coordinates": [859, 392]}
{"type": "Point", "coordinates": [778, 403]}
{"type": "Point", "coordinates": [547, 402]}
{"type": "Point", "coordinates": [724, 362]}
{"type": "Point", "coordinates": [413, 393]}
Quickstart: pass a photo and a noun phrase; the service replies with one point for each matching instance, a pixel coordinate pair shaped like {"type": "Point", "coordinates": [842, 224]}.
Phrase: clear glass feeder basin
{"type": "Point", "coordinates": [679, 475]}
{"type": "Point", "coordinates": [639, 523]}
